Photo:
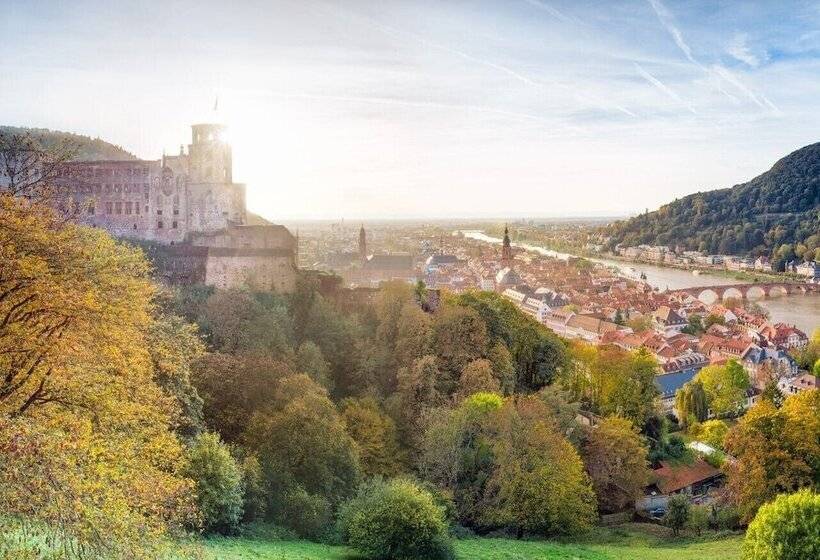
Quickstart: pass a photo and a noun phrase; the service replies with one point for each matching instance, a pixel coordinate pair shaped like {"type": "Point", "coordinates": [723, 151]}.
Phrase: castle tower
{"type": "Point", "coordinates": [210, 155]}
{"type": "Point", "coordinates": [506, 248]}
{"type": "Point", "coordinates": [215, 201]}
{"type": "Point", "coordinates": [362, 244]}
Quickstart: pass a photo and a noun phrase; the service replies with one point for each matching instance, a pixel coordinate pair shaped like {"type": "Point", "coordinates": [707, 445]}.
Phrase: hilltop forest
{"type": "Point", "coordinates": [84, 148]}
{"type": "Point", "coordinates": [776, 214]}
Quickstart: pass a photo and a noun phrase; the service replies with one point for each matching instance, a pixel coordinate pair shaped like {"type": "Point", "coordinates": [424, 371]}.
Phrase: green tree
{"type": "Point", "coordinates": [309, 360]}
{"type": "Point", "coordinates": [218, 482]}
{"type": "Point", "coordinates": [375, 435]}
{"type": "Point", "coordinates": [691, 402]}
{"type": "Point", "coordinates": [698, 518]}
{"type": "Point", "coordinates": [503, 367]}
{"type": "Point", "coordinates": [459, 336]}
{"type": "Point", "coordinates": [417, 393]}
{"type": "Point", "coordinates": [477, 377]}
{"type": "Point", "coordinates": [174, 346]}
{"type": "Point", "coordinates": [785, 529]}
{"type": "Point", "coordinates": [395, 520]}
{"type": "Point", "coordinates": [310, 463]}
{"type": "Point", "coordinates": [538, 485]}
{"type": "Point", "coordinates": [713, 432]}
{"type": "Point", "coordinates": [677, 512]}
{"type": "Point", "coordinates": [457, 453]}
{"type": "Point", "coordinates": [725, 387]}
{"type": "Point", "coordinates": [233, 388]}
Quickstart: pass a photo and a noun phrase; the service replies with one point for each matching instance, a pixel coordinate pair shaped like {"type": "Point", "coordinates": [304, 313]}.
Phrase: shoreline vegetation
{"type": "Point", "coordinates": [580, 252]}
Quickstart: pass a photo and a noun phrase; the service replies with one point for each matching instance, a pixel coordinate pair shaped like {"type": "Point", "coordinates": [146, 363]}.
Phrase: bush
{"type": "Point", "coordinates": [218, 483]}
{"type": "Point", "coordinates": [308, 515]}
{"type": "Point", "coordinates": [698, 519]}
{"type": "Point", "coordinates": [677, 513]}
{"type": "Point", "coordinates": [725, 519]}
{"type": "Point", "coordinates": [395, 520]}
{"type": "Point", "coordinates": [786, 529]}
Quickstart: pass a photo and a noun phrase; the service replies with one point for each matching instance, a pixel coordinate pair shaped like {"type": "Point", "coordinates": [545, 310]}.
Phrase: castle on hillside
{"type": "Point", "coordinates": [190, 210]}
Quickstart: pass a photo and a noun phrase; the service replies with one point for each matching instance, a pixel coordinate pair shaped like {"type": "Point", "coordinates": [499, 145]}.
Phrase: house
{"type": "Point", "coordinates": [381, 268]}
{"type": "Point", "coordinates": [783, 335]}
{"type": "Point", "coordinates": [436, 262]}
{"type": "Point", "coordinates": [810, 270]}
{"type": "Point", "coordinates": [798, 385]}
{"type": "Point", "coordinates": [763, 264]}
{"type": "Point", "coordinates": [668, 320]}
{"type": "Point", "coordinates": [760, 362]}
{"type": "Point", "coordinates": [697, 479]}
{"type": "Point", "coordinates": [507, 278]}
{"type": "Point", "coordinates": [589, 328]}
{"type": "Point", "coordinates": [668, 384]}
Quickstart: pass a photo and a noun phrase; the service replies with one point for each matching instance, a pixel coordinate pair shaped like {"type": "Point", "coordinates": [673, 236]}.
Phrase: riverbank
{"type": "Point", "coordinates": [803, 311]}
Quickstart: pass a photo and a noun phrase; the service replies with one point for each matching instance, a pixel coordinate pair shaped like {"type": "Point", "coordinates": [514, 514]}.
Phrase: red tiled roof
{"type": "Point", "coordinates": [673, 478]}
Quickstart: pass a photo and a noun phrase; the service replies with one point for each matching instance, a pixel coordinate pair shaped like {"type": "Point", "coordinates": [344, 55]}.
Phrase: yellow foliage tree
{"type": "Point", "coordinates": [85, 445]}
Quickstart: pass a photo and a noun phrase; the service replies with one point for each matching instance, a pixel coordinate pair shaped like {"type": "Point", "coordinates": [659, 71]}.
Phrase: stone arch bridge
{"type": "Point", "coordinates": [750, 291]}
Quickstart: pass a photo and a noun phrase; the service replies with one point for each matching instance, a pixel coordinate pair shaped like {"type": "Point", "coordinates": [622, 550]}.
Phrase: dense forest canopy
{"type": "Point", "coordinates": [779, 208]}
{"type": "Point", "coordinates": [85, 147]}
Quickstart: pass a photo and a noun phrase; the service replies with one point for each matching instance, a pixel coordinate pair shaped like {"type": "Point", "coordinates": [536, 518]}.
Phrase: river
{"type": "Point", "coordinates": [803, 311]}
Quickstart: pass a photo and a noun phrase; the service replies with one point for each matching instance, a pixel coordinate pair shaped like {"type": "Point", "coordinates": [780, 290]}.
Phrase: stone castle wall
{"type": "Point", "coordinates": [189, 204]}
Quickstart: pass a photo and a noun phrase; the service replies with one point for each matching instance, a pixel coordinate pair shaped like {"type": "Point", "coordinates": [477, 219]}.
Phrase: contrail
{"type": "Point", "coordinates": [667, 21]}
{"type": "Point", "coordinates": [392, 31]}
{"type": "Point", "coordinates": [663, 87]}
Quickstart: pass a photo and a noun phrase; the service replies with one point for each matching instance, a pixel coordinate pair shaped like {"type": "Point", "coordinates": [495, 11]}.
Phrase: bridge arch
{"type": "Point", "coordinates": [708, 295]}
{"type": "Point", "coordinates": [732, 292]}
{"type": "Point", "coordinates": [755, 292]}
{"type": "Point", "coordinates": [777, 291]}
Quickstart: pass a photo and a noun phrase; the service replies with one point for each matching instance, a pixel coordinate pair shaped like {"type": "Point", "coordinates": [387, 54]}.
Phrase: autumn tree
{"type": "Point", "coordinates": [776, 451]}
{"type": "Point", "coordinates": [616, 460]}
{"type": "Point", "coordinates": [538, 485]}
{"type": "Point", "coordinates": [725, 387]}
{"type": "Point", "coordinates": [85, 442]}
{"type": "Point", "coordinates": [459, 336]}
{"type": "Point", "coordinates": [476, 377]}
{"type": "Point", "coordinates": [375, 435]}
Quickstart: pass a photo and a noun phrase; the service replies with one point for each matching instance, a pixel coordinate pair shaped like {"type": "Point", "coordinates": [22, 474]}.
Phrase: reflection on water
{"type": "Point", "coordinates": [800, 310]}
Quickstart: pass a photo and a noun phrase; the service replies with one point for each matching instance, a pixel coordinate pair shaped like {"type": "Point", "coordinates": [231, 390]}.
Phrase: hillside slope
{"type": "Point", "coordinates": [87, 148]}
{"type": "Point", "coordinates": [776, 213]}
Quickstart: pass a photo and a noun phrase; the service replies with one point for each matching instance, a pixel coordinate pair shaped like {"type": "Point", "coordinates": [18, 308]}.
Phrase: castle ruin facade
{"type": "Point", "coordinates": [187, 211]}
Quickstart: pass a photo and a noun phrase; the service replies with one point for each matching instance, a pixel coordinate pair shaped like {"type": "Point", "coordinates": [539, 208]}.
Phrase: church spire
{"type": "Point", "coordinates": [362, 244]}
{"type": "Point", "coordinates": [506, 248]}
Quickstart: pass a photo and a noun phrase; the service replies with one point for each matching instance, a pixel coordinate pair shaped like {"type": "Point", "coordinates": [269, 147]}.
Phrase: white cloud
{"type": "Point", "coordinates": [740, 50]}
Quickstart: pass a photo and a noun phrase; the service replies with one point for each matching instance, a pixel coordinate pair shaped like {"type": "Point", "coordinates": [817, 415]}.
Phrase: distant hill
{"type": "Point", "coordinates": [87, 148]}
{"type": "Point", "coordinates": [775, 214]}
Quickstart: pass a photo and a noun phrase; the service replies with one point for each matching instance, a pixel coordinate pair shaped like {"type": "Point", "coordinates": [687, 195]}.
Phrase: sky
{"type": "Point", "coordinates": [432, 108]}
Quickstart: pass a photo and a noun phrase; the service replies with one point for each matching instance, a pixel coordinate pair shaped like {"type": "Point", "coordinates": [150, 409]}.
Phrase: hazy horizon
{"type": "Point", "coordinates": [429, 110]}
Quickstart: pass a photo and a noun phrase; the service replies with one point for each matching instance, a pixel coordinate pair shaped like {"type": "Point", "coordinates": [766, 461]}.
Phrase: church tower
{"type": "Point", "coordinates": [362, 245]}
{"type": "Point", "coordinates": [506, 248]}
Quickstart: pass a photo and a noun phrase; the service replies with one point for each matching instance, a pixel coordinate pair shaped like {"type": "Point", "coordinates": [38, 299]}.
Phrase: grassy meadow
{"type": "Point", "coordinates": [627, 542]}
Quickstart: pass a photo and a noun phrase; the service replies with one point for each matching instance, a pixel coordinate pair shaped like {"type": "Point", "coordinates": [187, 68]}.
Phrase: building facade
{"type": "Point", "coordinates": [189, 205]}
